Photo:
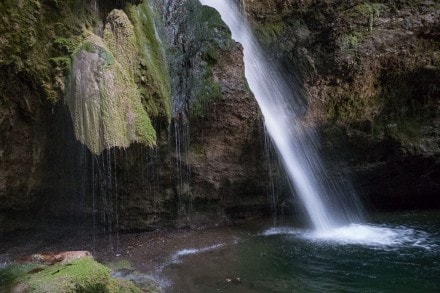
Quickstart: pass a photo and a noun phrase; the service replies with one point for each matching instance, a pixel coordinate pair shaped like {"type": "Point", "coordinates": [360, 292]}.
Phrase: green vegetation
{"type": "Point", "coordinates": [151, 74]}
{"type": "Point", "coordinates": [113, 113]}
{"type": "Point", "coordinates": [399, 108]}
{"type": "Point", "coordinates": [49, 36]}
{"type": "Point", "coordinates": [67, 46]}
{"type": "Point", "coordinates": [349, 108]}
{"type": "Point", "coordinates": [367, 13]}
{"type": "Point", "coordinates": [13, 272]}
{"type": "Point", "coordinates": [350, 41]}
{"type": "Point", "coordinates": [125, 79]}
{"type": "Point", "coordinates": [269, 32]}
{"type": "Point", "coordinates": [208, 38]}
{"type": "Point", "coordinates": [88, 47]}
{"type": "Point", "coordinates": [120, 265]}
{"type": "Point", "coordinates": [81, 275]}
{"type": "Point", "coordinates": [208, 92]}
{"type": "Point", "coordinates": [42, 31]}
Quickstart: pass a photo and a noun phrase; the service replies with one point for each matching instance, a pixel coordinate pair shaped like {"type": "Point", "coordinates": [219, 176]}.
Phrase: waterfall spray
{"type": "Point", "coordinates": [296, 143]}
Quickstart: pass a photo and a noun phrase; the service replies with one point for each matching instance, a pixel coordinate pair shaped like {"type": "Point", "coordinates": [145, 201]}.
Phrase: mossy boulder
{"type": "Point", "coordinates": [80, 275]}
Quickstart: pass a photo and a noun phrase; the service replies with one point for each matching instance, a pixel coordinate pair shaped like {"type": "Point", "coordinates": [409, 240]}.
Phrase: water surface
{"type": "Point", "coordinates": [405, 258]}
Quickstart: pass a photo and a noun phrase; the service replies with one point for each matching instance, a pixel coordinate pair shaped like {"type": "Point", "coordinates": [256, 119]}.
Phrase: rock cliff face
{"type": "Point", "coordinates": [30, 79]}
{"type": "Point", "coordinates": [218, 124]}
{"type": "Point", "coordinates": [110, 155]}
{"type": "Point", "coordinates": [371, 72]}
{"type": "Point", "coordinates": [98, 128]}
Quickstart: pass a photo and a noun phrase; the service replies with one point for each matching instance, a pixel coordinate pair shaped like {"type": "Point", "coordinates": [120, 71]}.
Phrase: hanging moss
{"type": "Point", "coordinates": [151, 74]}
{"type": "Point", "coordinates": [104, 101]}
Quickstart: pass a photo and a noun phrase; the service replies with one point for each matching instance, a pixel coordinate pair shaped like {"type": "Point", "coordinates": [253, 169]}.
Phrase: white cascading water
{"type": "Point", "coordinates": [279, 106]}
{"type": "Point", "coordinates": [332, 214]}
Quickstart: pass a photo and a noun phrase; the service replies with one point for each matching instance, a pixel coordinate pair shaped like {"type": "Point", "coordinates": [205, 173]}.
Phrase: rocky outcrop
{"type": "Point", "coordinates": [104, 100]}
{"type": "Point", "coordinates": [30, 79]}
{"type": "Point", "coordinates": [210, 171]}
{"type": "Point", "coordinates": [80, 273]}
{"type": "Point", "coordinates": [91, 161]}
{"type": "Point", "coordinates": [218, 126]}
{"type": "Point", "coordinates": [42, 44]}
{"type": "Point", "coordinates": [371, 72]}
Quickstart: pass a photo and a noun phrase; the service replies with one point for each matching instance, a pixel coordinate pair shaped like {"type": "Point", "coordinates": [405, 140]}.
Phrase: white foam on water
{"type": "Point", "coordinates": [280, 231]}
{"type": "Point", "coordinates": [189, 251]}
{"type": "Point", "coordinates": [373, 235]}
{"type": "Point", "coordinates": [362, 234]}
{"type": "Point", "coordinates": [176, 258]}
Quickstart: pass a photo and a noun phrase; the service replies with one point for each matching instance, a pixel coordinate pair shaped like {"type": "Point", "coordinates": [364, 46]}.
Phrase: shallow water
{"type": "Point", "coordinates": [394, 253]}
{"type": "Point", "coordinates": [397, 252]}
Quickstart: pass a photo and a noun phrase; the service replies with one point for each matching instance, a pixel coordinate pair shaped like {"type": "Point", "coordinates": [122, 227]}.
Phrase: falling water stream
{"type": "Point", "coordinates": [333, 209]}
{"type": "Point", "coordinates": [280, 107]}
{"type": "Point", "coordinates": [342, 253]}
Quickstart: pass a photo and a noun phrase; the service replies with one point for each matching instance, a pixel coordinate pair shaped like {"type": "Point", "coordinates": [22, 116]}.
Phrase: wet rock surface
{"type": "Point", "coordinates": [370, 72]}
{"type": "Point", "coordinates": [206, 169]}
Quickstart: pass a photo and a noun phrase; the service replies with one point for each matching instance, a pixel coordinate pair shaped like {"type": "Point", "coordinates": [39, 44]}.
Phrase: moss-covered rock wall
{"type": "Point", "coordinates": [90, 136]}
{"type": "Point", "coordinates": [106, 64]}
{"type": "Point", "coordinates": [103, 97]}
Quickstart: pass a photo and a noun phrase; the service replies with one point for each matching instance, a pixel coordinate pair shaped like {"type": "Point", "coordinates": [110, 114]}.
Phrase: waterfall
{"type": "Point", "coordinates": [296, 143]}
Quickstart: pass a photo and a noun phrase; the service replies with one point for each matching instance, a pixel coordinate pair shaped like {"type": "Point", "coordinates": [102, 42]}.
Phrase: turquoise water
{"type": "Point", "coordinates": [293, 260]}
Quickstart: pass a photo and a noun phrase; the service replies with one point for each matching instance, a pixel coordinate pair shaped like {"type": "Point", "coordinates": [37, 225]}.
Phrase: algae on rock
{"type": "Point", "coordinates": [80, 275]}
{"type": "Point", "coordinates": [107, 106]}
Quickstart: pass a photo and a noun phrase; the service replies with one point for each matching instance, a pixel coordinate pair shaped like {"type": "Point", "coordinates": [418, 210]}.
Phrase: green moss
{"type": "Point", "coordinates": [64, 63]}
{"type": "Point", "coordinates": [270, 32]}
{"type": "Point", "coordinates": [41, 30]}
{"type": "Point", "coordinates": [105, 102]}
{"type": "Point", "coordinates": [350, 41]}
{"type": "Point", "coordinates": [81, 275]}
{"type": "Point", "coordinates": [151, 74]}
{"type": "Point", "coordinates": [367, 13]}
{"type": "Point", "coordinates": [349, 107]}
{"type": "Point", "coordinates": [206, 93]}
{"type": "Point", "coordinates": [208, 39]}
{"type": "Point", "coordinates": [206, 16]}
{"type": "Point", "coordinates": [67, 46]}
{"type": "Point", "coordinates": [88, 47]}
{"type": "Point", "coordinates": [367, 9]}
{"type": "Point", "coordinates": [211, 56]}
{"type": "Point", "coordinates": [403, 131]}
{"type": "Point", "coordinates": [120, 265]}
{"type": "Point", "coordinates": [107, 56]}
{"type": "Point", "coordinates": [13, 272]}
